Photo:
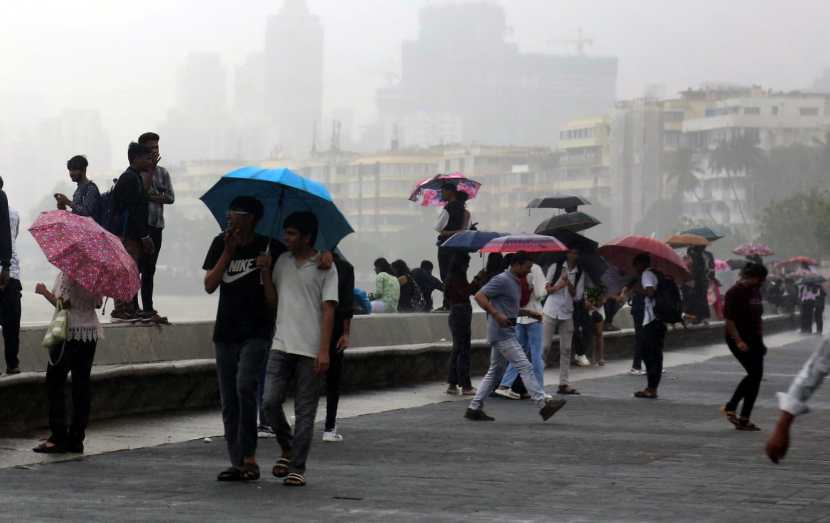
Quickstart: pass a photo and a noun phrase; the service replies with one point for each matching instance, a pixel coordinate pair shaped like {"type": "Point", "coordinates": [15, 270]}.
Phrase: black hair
{"type": "Point", "coordinates": [754, 270]}
{"type": "Point", "coordinates": [135, 150]}
{"type": "Point", "coordinates": [77, 163]}
{"type": "Point", "coordinates": [427, 265]}
{"type": "Point", "coordinates": [303, 221]}
{"type": "Point", "coordinates": [642, 259]}
{"type": "Point", "coordinates": [248, 204]}
{"type": "Point", "coordinates": [449, 186]}
{"type": "Point", "coordinates": [495, 263]}
{"type": "Point", "coordinates": [520, 258]}
{"type": "Point", "coordinates": [1, 183]}
{"type": "Point", "coordinates": [400, 268]}
{"type": "Point", "coordinates": [383, 265]}
{"type": "Point", "coordinates": [461, 196]}
{"type": "Point", "coordinates": [148, 137]}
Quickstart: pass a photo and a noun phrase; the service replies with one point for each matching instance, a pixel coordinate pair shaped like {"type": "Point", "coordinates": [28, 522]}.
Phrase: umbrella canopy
{"type": "Point", "coordinates": [799, 260]}
{"type": "Point", "coordinates": [679, 241]}
{"type": "Point", "coordinates": [282, 192]}
{"type": "Point", "coordinates": [813, 279]}
{"type": "Point", "coordinates": [736, 264]}
{"type": "Point", "coordinates": [622, 251]}
{"type": "Point", "coordinates": [569, 221]}
{"type": "Point", "coordinates": [558, 201]}
{"type": "Point", "coordinates": [87, 254]}
{"type": "Point", "coordinates": [525, 243]}
{"type": "Point", "coordinates": [429, 191]}
{"type": "Point", "coordinates": [707, 232]}
{"type": "Point", "coordinates": [589, 260]}
{"type": "Point", "coordinates": [753, 249]}
{"type": "Point", "coordinates": [574, 240]}
{"type": "Point", "coordinates": [470, 241]}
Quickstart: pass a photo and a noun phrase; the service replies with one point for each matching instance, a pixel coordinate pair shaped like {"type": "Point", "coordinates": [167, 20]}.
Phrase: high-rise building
{"type": "Point", "coordinates": [460, 69]}
{"type": "Point", "coordinates": [294, 76]}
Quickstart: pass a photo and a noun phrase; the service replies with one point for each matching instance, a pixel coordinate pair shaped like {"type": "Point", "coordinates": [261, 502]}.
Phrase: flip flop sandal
{"type": "Point", "coordinates": [294, 480]}
{"type": "Point", "coordinates": [230, 474]}
{"type": "Point", "coordinates": [745, 424]}
{"type": "Point", "coordinates": [249, 472]}
{"type": "Point", "coordinates": [645, 395]}
{"type": "Point", "coordinates": [280, 469]}
{"type": "Point", "coordinates": [731, 415]}
{"type": "Point", "coordinates": [46, 448]}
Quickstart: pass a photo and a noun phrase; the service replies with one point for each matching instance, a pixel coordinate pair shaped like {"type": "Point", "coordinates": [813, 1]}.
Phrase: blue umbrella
{"type": "Point", "coordinates": [470, 241]}
{"type": "Point", "coordinates": [281, 192]}
{"type": "Point", "coordinates": [706, 232]}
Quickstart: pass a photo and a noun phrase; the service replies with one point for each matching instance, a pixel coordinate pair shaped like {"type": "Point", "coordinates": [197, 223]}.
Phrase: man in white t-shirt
{"type": "Point", "coordinates": [654, 330]}
{"type": "Point", "coordinates": [305, 297]}
{"type": "Point", "coordinates": [565, 282]}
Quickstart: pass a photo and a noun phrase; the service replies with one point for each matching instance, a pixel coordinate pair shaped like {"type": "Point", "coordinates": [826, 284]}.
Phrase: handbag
{"type": "Point", "coordinates": [58, 329]}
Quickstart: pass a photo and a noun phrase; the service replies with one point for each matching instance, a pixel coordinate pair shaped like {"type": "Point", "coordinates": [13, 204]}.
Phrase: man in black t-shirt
{"type": "Point", "coordinates": [243, 331]}
{"type": "Point", "coordinates": [452, 221]}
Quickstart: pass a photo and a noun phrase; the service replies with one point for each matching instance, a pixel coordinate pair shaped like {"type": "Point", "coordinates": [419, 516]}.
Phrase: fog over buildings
{"type": "Point", "coordinates": [368, 96]}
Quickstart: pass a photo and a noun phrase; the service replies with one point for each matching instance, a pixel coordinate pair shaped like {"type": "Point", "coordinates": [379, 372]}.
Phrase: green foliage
{"type": "Point", "coordinates": [798, 225]}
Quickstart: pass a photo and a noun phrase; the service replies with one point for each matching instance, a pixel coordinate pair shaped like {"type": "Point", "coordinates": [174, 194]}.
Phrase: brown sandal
{"type": "Point", "coordinates": [731, 415]}
{"type": "Point", "coordinates": [280, 469]}
{"type": "Point", "coordinates": [646, 394]}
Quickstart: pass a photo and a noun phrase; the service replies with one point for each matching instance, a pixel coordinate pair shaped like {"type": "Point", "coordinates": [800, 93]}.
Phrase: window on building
{"type": "Point", "coordinates": [808, 111]}
{"type": "Point", "coordinates": [752, 110]}
{"type": "Point", "coordinates": [775, 110]}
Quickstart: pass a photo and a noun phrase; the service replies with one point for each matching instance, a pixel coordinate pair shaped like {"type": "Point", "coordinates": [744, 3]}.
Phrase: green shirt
{"type": "Point", "coordinates": [388, 290]}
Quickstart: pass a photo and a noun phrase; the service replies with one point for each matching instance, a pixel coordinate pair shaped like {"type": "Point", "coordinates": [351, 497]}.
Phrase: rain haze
{"type": "Point", "coordinates": [87, 77]}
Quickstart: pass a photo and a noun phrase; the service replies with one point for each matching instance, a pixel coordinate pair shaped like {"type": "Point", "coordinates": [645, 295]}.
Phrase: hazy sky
{"type": "Point", "coordinates": [121, 57]}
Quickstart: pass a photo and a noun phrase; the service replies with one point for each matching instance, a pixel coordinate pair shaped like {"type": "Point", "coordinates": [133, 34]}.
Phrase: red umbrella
{"type": "Point", "coordinates": [798, 260]}
{"type": "Point", "coordinates": [87, 254]}
{"type": "Point", "coordinates": [622, 251]}
{"type": "Point", "coordinates": [524, 243]}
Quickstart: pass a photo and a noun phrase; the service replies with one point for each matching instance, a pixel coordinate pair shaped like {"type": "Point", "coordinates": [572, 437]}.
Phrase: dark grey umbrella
{"type": "Point", "coordinates": [558, 201]}
{"type": "Point", "coordinates": [569, 221]}
{"type": "Point", "coordinates": [589, 260]}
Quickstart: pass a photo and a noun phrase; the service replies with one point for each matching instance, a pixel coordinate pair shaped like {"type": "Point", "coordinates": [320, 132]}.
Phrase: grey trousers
{"type": "Point", "coordinates": [282, 369]}
{"type": "Point", "coordinates": [502, 353]}
{"type": "Point", "coordinates": [238, 368]}
{"type": "Point", "coordinates": [566, 331]}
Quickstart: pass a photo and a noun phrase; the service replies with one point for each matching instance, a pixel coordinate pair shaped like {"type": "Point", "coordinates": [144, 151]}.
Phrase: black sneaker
{"type": "Point", "coordinates": [12, 372]}
{"type": "Point", "coordinates": [75, 447]}
{"type": "Point", "coordinates": [551, 407]}
{"type": "Point", "coordinates": [477, 415]}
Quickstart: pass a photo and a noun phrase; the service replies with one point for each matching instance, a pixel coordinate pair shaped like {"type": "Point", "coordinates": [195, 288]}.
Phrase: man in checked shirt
{"type": "Point", "coordinates": [794, 402]}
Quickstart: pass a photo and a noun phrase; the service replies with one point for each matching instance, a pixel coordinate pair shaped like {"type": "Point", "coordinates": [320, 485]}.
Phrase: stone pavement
{"type": "Point", "coordinates": [605, 457]}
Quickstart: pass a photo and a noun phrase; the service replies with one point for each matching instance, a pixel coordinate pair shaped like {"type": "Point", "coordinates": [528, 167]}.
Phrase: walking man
{"type": "Point", "coordinates": [10, 295]}
{"type": "Point", "coordinates": [450, 222]}
{"type": "Point", "coordinates": [86, 198]}
{"type": "Point", "coordinates": [654, 330]}
{"type": "Point", "coordinates": [243, 330]}
{"type": "Point", "coordinates": [564, 283]}
{"type": "Point", "coordinates": [500, 298]}
{"type": "Point", "coordinates": [305, 298]}
{"type": "Point", "coordinates": [159, 193]}
{"type": "Point", "coordinates": [343, 315]}
{"type": "Point", "coordinates": [130, 206]}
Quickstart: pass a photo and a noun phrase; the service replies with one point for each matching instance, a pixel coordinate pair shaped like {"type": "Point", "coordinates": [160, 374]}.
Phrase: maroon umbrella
{"type": "Point", "coordinates": [622, 251]}
{"type": "Point", "coordinates": [524, 243]}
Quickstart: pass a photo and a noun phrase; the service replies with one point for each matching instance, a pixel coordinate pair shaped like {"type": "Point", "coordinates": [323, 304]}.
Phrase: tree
{"type": "Point", "coordinates": [683, 171]}
{"type": "Point", "coordinates": [742, 156]}
{"type": "Point", "coordinates": [798, 225]}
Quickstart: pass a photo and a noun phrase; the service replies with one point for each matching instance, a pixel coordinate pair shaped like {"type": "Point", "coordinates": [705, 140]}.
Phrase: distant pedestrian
{"type": "Point", "coordinates": [745, 338]}
{"type": "Point", "coordinates": [75, 356]}
{"type": "Point", "coordinates": [500, 299]}
{"type": "Point", "coordinates": [387, 292]}
{"type": "Point", "coordinates": [460, 320]}
{"type": "Point", "coordinates": [340, 335]}
{"type": "Point", "coordinates": [10, 301]}
{"type": "Point", "coordinates": [564, 283]}
{"type": "Point", "coordinates": [698, 299]}
{"type": "Point", "coordinates": [131, 209]}
{"type": "Point", "coordinates": [595, 301]}
{"type": "Point", "coordinates": [160, 193]}
{"type": "Point", "coordinates": [306, 298]}
{"type": "Point", "coordinates": [793, 403]}
{"type": "Point", "coordinates": [451, 221]}
{"type": "Point", "coordinates": [411, 298]}
{"type": "Point", "coordinates": [427, 282]}
{"type": "Point", "coordinates": [637, 304]}
{"type": "Point", "coordinates": [654, 330]}
{"type": "Point", "coordinates": [86, 199]}
{"type": "Point", "coordinates": [243, 329]}
{"type": "Point", "coordinates": [812, 297]}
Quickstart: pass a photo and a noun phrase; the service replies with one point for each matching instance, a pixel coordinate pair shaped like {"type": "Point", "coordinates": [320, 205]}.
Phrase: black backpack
{"type": "Point", "coordinates": [668, 305]}
{"type": "Point", "coordinates": [105, 214]}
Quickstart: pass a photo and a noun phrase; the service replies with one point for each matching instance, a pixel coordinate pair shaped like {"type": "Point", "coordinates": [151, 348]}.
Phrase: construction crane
{"type": "Point", "coordinates": [580, 42]}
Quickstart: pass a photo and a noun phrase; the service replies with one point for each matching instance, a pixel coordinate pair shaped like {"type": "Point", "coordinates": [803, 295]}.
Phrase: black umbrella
{"type": "Point", "coordinates": [569, 221]}
{"type": "Point", "coordinates": [591, 262]}
{"type": "Point", "coordinates": [737, 263]}
{"type": "Point", "coordinates": [558, 201]}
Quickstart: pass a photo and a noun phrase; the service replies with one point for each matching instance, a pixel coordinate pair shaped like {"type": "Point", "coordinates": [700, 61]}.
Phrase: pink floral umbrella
{"type": "Point", "coordinates": [753, 249]}
{"type": "Point", "coordinates": [87, 254]}
{"type": "Point", "coordinates": [429, 191]}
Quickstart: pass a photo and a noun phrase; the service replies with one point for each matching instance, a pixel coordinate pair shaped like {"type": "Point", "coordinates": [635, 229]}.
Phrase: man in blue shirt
{"type": "Point", "coordinates": [500, 298]}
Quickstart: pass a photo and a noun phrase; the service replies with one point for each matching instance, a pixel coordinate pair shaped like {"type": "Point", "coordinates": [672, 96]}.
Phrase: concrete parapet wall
{"type": "Point", "coordinates": [147, 369]}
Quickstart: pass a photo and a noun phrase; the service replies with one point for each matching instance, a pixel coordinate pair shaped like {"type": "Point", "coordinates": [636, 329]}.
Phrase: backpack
{"type": "Point", "coordinates": [557, 273]}
{"type": "Point", "coordinates": [105, 215]}
{"type": "Point", "coordinates": [668, 305]}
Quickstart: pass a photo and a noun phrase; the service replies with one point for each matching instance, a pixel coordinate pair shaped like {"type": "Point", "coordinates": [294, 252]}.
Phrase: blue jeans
{"type": "Point", "coordinates": [530, 338]}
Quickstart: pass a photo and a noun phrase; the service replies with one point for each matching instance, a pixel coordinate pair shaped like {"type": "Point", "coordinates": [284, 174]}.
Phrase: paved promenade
{"type": "Point", "coordinates": [605, 457]}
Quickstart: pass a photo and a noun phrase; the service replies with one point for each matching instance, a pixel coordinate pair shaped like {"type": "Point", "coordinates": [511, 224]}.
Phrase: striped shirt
{"type": "Point", "coordinates": [161, 186]}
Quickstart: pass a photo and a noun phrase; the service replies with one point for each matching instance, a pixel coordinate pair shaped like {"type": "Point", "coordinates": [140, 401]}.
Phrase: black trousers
{"type": "Point", "coordinates": [818, 316]}
{"type": "Point", "coordinates": [334, 376]}
{"type": "Point", "coordinates": [460, 321]}
{"type": "Point", "coordinates": [10, 311]}
{"type": "Point", "coordinates": [148, 270]}
{"type": "Point", "coordinates": [753, 362]}
{"type": "Point", "coordinates": [611, 309]}
{"type": "Point", "coordinates": [654, 337]}
{"type": "Point", "coordinates": [444, 259]}
{"type": "Point", "coordinates": [583, 329]}
{"type": "Point", "coordinates": [75, 357]}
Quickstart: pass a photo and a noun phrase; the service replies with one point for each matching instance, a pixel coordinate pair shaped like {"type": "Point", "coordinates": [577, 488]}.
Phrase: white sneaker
{"type": "Point", "coordinates": [582, 361]}
{"type": "Point", "coordinates": [332, 436]}
{"type": "Point", "coordinates": [507, 394]}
